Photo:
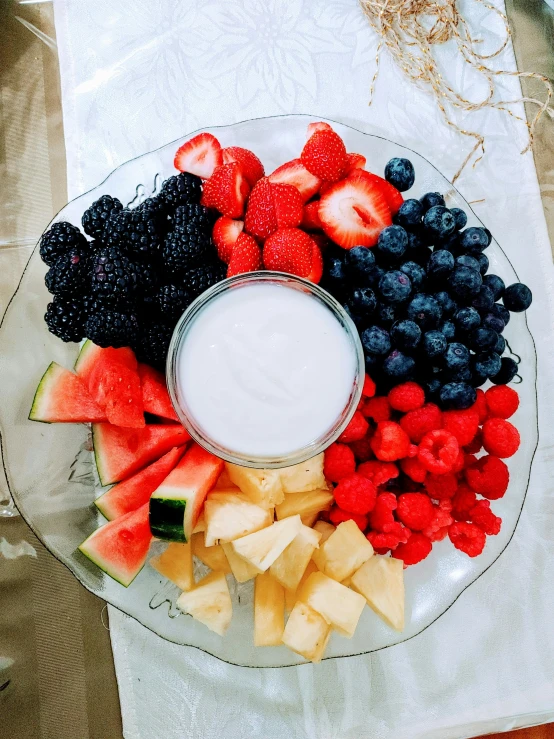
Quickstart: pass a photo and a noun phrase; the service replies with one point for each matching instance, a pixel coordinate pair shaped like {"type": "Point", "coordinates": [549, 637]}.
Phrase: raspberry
{"type": "Point", "coordinates": [338, 462]}
{"type": "Point", "coordinates": [438, 451]}
{"type": "Point", "coordinates": [417, 423]}
{"type": "Point", "coordinates": [463, 501]}
{"type": "Point", "coordinates": [414, 469]}
{"type": "Point", "coordinates": [356, 494]}
{"type": "Point", "coordinates": [440, 523]}
{"type": "Point", "coordinates": [362, 448]}
{"type": "Point", "coordinates": [482, 516]}
{"type": "Point", "coordinates": [414, 550]}
{"type": "Point", "coordinates": [382, 542]}
{"type": "Point", "coordinates": [356, 429]}
{"type": "Point", "coordinates": [415, 510]}
{"type": "Point", "coordinates": [381, 517]}
{"type": "Point", "coordinates": [441, 486]}
{"type": "Point", "coordinates": [476, 444]}
{"type": "Point", "coordinates": [467, 538]}
{"type": "Point", "coordinates": [378, 472]}
{"type": "Point", "coordinates": [463, 424]}
{"type": "Point", "coordinates": [406, 397]}
{"type": "Point", "coordinates": [460, 462]}
{"type": "Point", "coordinates": [390, 442]}
{"type": "Point", "coordinates": [369, 388]}
{"type": "Point", "coordinates": [480, 406]}
{"type": "Point", "coordinates": [437, 535]}
{"type": "Point", "coordinates": [502, 401]}
{"type": "Point", "coordinates": [488, 476]}
{"type": "Point", "coordinates": [500, 437]}
{"type": "Point", "coordinates": [378, 409]}
{"type": "Point", "coordinates": [337, 515]}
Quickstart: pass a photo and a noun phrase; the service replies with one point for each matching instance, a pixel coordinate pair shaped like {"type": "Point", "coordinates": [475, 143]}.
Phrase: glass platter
{"type": "Point", "coordinates": [50, 467]}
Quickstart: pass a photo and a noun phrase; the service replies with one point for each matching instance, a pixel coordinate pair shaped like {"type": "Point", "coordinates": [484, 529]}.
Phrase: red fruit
{"type": "Point", "coordinates": [441, 486]}
{"type": "Point", "coordinates": [480, 406]}
{"type": "Point", "coordinates": [502, 401]}
{"type": "Point", "coordinates": [252, 168]}
{"type": "Point", "coordinates": [488, 476]}
{"type": "Point", "coordinates": [317, 126]}
{"type": "Point", "coordinates": [460, 462]}
{"type": "Point", "coordinates": [325, 187]}
{"type": "Point", "coordinates": [417, 423]}
{"type": "Point", "coordinates": [356, 429]}
{"type": "Point", "coordinates": [440, 523]}
{"type": "Point", "coordinates": [482, 516]}
{"type": "Point", "coordinates": [117, 390]}
{"type": "Point", "coordinates": [463, 424]}
{"type": "Point", "coordinates": [438, 451]}
{"type": "Point", "coordinates": [377, 408]}
{"type": "Point", "coordinates": [324, 155]}
{"type": "Point", "coordinates": [289, 250]}
{"type": "Point", "coordinates": [337, 515]}
{"type": "Point", "coordinates": [392, 196]}
{"type": "Point", "coordinates": [356, 494]}
{"type": "Point", "coordinates": [381, 517]}
{"type": "Point", "coordinates": [414, 469]}
{"type": "Point", "coordinates": [155, 397]}
{"type": "Point", "coordinates": [382, 542]}
{"type": "Point", "coordinates": [415, 510]}
{"type": "Point", "coordinates": [390, 442]}
{"type": "Point", "coordinates": [338, 462]}
{"type": "Point", "coordinates": [225, 234]}
{"type": "Point", "coordinates": [320, 240]}
{"type": "Point", "coordinates": [316, 273]}
{"type": "Point", "coordinates": [260, 220]}
{"type": "Point", "coordinates": [467, 538]}
{"type": "Point", "coordinates": [378, 472]}
{"type": "Point", "coordinates": [288, 205]}
{"type": "Point", "coordinates": [476, 444]}
{"type": "Point", "coordinates": [200, 155]}
{"type": "Point", "coordinates": [369, 388]}
{"type": "Point", "coordinates": [463, 501]}
{"type": "Point", "coordinates": [437, 535]}
{"type": "Point", "coordinates": [354, 212]}
{"type": "Point", "coordinates": [354, 161]}
{"type": "Point", "coordinates": [500, 437]}
{"type": "Point", "coordinates": [408, 396]}
{"type": "Point", "coordinates": [246, 257]}
{"type": "Point", "coordinates": [414, 550]}
{"type": "Point", "coordinates": [310, 217]}
{"type": "Point", "coordinates": [226, 190]}
{"type": "Point", "coordinates": [362, 448]}
{"type": "Point", "coordinates": [295, 173]}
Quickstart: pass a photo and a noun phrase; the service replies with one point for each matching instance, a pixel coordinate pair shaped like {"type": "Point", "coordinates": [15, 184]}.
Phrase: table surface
{"type": "Point", "coordinates": [57, 677]}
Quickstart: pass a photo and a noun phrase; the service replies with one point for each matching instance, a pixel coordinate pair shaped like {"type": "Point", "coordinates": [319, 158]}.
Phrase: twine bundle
{"type": "Point", "coordinates": [410, 28]}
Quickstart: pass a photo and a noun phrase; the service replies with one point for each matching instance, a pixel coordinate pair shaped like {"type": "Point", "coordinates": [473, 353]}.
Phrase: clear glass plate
{"type": "Point", "coordinates": [50, 467]}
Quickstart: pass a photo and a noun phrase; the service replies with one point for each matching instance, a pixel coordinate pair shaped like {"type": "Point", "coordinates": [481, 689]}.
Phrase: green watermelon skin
{"type": "Point", "coordinates": [62, 397]}
{"type": "Point", "coordinates": [155, 397]}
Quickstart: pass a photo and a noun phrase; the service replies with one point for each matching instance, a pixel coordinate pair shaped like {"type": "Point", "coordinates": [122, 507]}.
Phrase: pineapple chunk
{"type": "Point", "coordinates": [261, 486]}
{"type": "Point", "coordinates": [306, 632]}
{"type": "Point", "coordinates": [344, 552]}
{"type": "Point", "coordinates": [175, 563]}
{"type": "Point", "coordinates": [304, 503]}
{"type": "Point", "coordinates": [200, 524]}
{"type": "Point", "coordinates": [269, 611]}
{"type": "Point", "coordinates": [262, 548]}
{"type": "Point", "coordinates": [232, 515]}
{"type": "Point", "coordinates": [291, 596]}
{"type": "Point", "coordinates": [241, 569]}
{"type": "Point", "coordinates": [339, 606]}
{"type": "Point", "coordinates": [381, 581]}
{"type": "Point", "coordinates": [209, 602]}
{"type": "Point", "coordinates": [325, 529]}
{"type": "Point", "coordinates": [309, 519]}
{"type": "Point", "coordinates": [289, 566]}
{"type": "Point", "coordinates": [303, 477]}
{"type": "Point", "coordinates": [225, 483]}
{"type": "Point", "coordinates": [213, 557]}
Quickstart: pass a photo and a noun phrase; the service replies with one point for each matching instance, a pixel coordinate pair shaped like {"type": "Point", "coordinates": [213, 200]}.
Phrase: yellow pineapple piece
{"type": "Point", "coordinates": [225, 483]}
{"type": "Point", "coordinates": [309, 519]}
{"type": "Point", "coordinates": [269, 611]}
{"type": "Point", "coordinates": [175, 563]}
{"type": "Point", "coordinates": [291, 564]}
{"type": "Point", "coordinates": [306, 632]}
{"type": "Point", "coordinates": [339, 606]}
{"type": "Point", "coordinates": [325, 529]}
{"type": "Point", "coordinates": [241, 569]}
{"type": "Point", "coordinates": [209, 602]}
{"type": "Point", "coordinates": [200, 524]}
{"type": "Point", "coordinates": [262, 486]}
{"type": "Point", "coordinates": [303, 477]}
{"type": "Point", "coordinates": [344, 552]}
{"type": "Point", "coordinates": [232, 515]}
{"type": "Point", "coordinates": [304, 503]}
{"type": "Point", "coordinates": [291, 596]}
{"type": "Point", "coordinates": [262, 548]}
{"type": "Point", "coordinates": [381, 581]}
{"type": "Point", "coordinates": [213, 557]}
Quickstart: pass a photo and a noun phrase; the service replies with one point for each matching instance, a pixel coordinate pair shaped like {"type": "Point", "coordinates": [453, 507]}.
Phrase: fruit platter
{"type": "Point", "coordinates": [412, 493]}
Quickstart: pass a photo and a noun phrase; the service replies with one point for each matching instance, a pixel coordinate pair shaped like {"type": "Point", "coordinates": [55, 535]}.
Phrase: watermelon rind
{"type": "Point", "coordinates": [167, 519]}
{"type": "Point", "coordinates": [56, 380]}
{"type": "Point", "coordinates": [41, 394]}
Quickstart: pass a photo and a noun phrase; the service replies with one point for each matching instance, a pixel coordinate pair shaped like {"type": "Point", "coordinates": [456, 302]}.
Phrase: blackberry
{"type": "Point", "coordinates": [181, 189]}
{"type": "Point", "coordinates": [68, 276]}
{"type": "Point", "coordinates": [185, 248]}
{"type": "Point", "coordinates": [95, 218]}
{"type": "Point", "coordinates": [153, 344]}
{"type": "Point", "coordinates": [198, 279]}
{"type": "Point", "coordinates": [154, 209]}
{"type": "Point", "coordinates": [111, 327]}
{"type": "Point", "coordinates": [114, 276]}
{"type": "Point", "coordinates": [148, 277]}
{"type": "Point", "coordinates": [65, 319]}
{"type": "Point", "coordinates": [59, 239]}
{"type": "Point", "coordinates": [172, 301]}
{"type": "Point", "coordinates": [195, 214]}
{"type": "Point", "coordinates": [136, 231]}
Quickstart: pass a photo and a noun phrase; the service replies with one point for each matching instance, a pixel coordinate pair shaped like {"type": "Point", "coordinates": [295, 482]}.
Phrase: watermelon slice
{"type": "Point", "coordinates": [120, 547]}
{"type": "Point", "coordinates": [121, 452]}
{"type": "Point", "coordinates": [176, 505]}
{"type": "Point", "coordinates": [91, 355]}
{"type": "Point", "coordinates": [62, 397]}
{"type": "Point", "coordinates": [155, 398]}
{"type": "Point", "coordinates": [134, 492]}
{"type": "Point", "coordinates": [116, 388]}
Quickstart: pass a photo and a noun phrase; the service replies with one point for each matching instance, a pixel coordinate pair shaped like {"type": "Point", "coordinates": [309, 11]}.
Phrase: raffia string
{"type": "Point", "coordinates": [410, 28]}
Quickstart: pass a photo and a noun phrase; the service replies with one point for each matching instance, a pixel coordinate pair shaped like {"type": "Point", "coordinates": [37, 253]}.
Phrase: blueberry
{"type": "Point", "coordinates": [483, 263]}
{"type": "Point", "coordinates": [483, 339]}
{"type": "Point", "coordinates": [451, 244]}
{"type": "Point", "coordinates": [424, 310]}
{"type": "Point", "coordinates": [465, 260]}
{"type": "Point", "coordinates": [432, 388]}
{"type": "Point", "coordinates": [457, 395]}
{"type": "Point", "coordinates": [415, 272]}
{"type": "Point", "coordinates": [508, 370]}
{"type": "Point", "coordinates": [410, 213]}
{"type": "Point", "coordinates": [385, 314]}
{"type": "Point", "coordinates": [376, 340]}
{"type": "Point", "coordinates": [434, 343]}
{"type": "Point", "coordinates": [456, 356]}
{"type": "Point", "coordinates": [449, 306]}
{"type": "Point", "coordinates": [400, 173]}
{"type": "Point", "coordinates": [489, 235]}
{"type": "Point", "coordinates": [484, 300]}
{"type": "Point", "coordinates": [430, 199]}
{"type": "Point", "coordinates": [440, 264]}
{"type": "Point", "coordinates": [398, 365]}
{"type": "Point", "coordinates": [414, 240]}
{"type": "Point", "coordinates": [464, 282]}
{"type": "Point", "coordinates": [448, 328]}
{"type": "Point", "coordinates": [334, 274]}
{"type": "Point", "coordinates": [363, 301]}
{"type": "Point", "coordinates": [477, 378]}
{"type": "Point", "coordinates": [374, 277]}
{"type": "Point", "coordinates": [517, 297]}
{"type": "Point", "coordinates": [460, 217]}
{"type": "Point", "coordinates": [395, 286]}
{"type": "Point", "coordinates": [421, 256]}
{"type": "Point", "coordinates": [359, 321]}
{"type": "Point", "coordinates": [496, 284]}
{"type": "Point", "coordinates": [359, 262]}
{"type": "Point", "coordinates": [439, 222]}
{"type": "Point", "coordinates": [405, 334]}
{"type": "Point", "coordinates": [392, 243]}
{"type": "Point", "coordinates": [462, 375]}
{"type": "Point", "coordinates": [467, 319]}
{"type": "Point", "coordinates": [500, 347]}
{"type": "Point", "coordinates": [488, 363]}
{"type": "Point", "coordinates": [493, 322]}
{"type": "Point", "coordinates": [501, 312]}
{"type": "Point", "coordinates": [474, 239]}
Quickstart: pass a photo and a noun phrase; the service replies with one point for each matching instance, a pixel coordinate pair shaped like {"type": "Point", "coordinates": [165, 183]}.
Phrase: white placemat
{"type": "Point", "coordinates": [136, 74]}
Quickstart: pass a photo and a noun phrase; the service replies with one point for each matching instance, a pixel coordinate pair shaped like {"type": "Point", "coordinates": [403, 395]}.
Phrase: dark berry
{"type": "Point", "coordinates": [421, 256]}
{"type": "Point", "coordinates": [460, 218]}
{"type": "Point", "coordinates": [501, 312]}
{"type": "Point", "coordinates": [400, 173]}
{"type": "Point", "coordinates": [449, 306]}
{"type": "Point", "coordinates": [464, 282]}
{"type": "Point", "coordinates": [185, 248]}
{"type": "Point", "coordinates": [60, 238]}
{"type": "Point", "coordinates": [483, 263]}
{"type": "Point", "coordinates": [474, 239]}
{"type": "Point", "coordinates": [68, 276]}
{"type": "Point", "coordinates": [410, 214]}
{"type": "Point", "coordinates": [395, 286]}
{"type": "Point", "coordinates": [135, 231]}
{"type": "Point", "coordinates": [432, 388]}
{"type": "Point", "coordinates": [493, 322]}
{"type": "Point", "coordinates": [484, 300]}
{"type": "Point", "coordinates": [415, 272]}
{"type": "Point", "coordinates": [148, 277]}
{"type": "Point", "coordinates": [508, 370]}
{"type": "Point", "coordinates": [489, 235]}
{"type": "Point", "coordinates": [450, 243]}
{"type": "Point", "coordinates": [464, 374]}
{"type": "Point", "coordinates": [414, 241]}
{"type": "Point", "coordinates": [517, 297]}
{"type": "Point", "coordinates": [385, 314]}
{"type": "Point", "coordinates": [95, 218]}
{"type": "Point", "coordinates": [198, 279]}
{"type": "Point", "coordinates": [106, 327]}
{"type": "Point", "coordinates": [430, 200]}
{"type": "Point", "coordinates": [488, 363]}
{"type": "Point", "coordinates": [65, 319]}
{"type": "Point", "coordinates": [448, 328]}
{"type": "Point", "coordinates": [392, 243]}
{"type": "Point", "coordinates": [334, 275]}
{"type": "Point", "coordinates": [465, 260]}
{"type": "Point", "coordinates": [405, 335]}
{"type": "Point", "coordinates": [457, 395]}
{"type": "Point", "coordinates": [500, 347]}
{"type": "Point", "coordinates": [376, 340]}
{"type": "Point", "coordinates": [439, 222]}
{"type": "Point", "coordinates": [113, 276]}
{"type": "Point", "coordinates": [172, 301]}
{"type": "Point", "coordinates": [153, 344]}
{"type": "Point", "coordinates": [359, 263]}
{"type": "Point", "coordinates": [456, 356]}
{"type": "Point", "coordinates": [398, 365]}
{"type": "Point", "coordinates": [181, 189]}
{"type": "Point", "coordinates": [440, 264]}
{"type": "Point", "coordinates": [363, 301]}
{"type": "Point", "coordinates": [425, 311]}
{"type": "Point", "coordinates": [482, 339]}
{"type": "Point", "coordinates": [496, 284]}
{"type": "Point", "coordinates": [434, 343]}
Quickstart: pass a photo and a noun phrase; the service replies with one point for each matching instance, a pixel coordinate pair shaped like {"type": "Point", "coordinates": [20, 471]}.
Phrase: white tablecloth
{"type": "Point", "coordinates": [136, 74]}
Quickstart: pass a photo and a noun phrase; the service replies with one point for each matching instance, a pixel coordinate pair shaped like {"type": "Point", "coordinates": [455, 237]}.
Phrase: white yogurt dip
{"type": "Point", "coordinates": [265, 369]}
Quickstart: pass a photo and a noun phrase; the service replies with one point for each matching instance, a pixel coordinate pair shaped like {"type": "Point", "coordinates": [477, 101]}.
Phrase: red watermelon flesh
{"type": "Point", "coordinates": [120, 547]}
{"type": "Point", "coordinates": [62, 397]}
{"type": "Point", "coordinates": [120, 452]}
{"type": "Point", "coordinates": [92, 355]}
{"type": "Point", "coordinates": [134, 492]}
{"type": "Point", "coordinates": [155, 398]}
{"type": "Point", "coordinates": [116, 388]}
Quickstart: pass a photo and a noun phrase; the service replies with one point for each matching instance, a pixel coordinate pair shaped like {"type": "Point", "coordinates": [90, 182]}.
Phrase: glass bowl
{"type": "Point", "coordinates": [50, 469]}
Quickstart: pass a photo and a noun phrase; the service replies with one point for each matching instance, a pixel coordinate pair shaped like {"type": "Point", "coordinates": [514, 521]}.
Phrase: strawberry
{"type": "Point", "coordinates": [353, 161]}
{"type": "Point", "coordinates": [316, 273]}
{"type": "Point", "coordinates": [252, 168]}
{"type": "Point", "coordinates": [317, 126]}
{"type": "Point", "coordinates": [288, 205]}
{"type": "Point", "coordinates": [325, 186]}
{"type": "Point", "coordinates": [289, 250]}
{"type": "Point", "coordinates": [310, 217]}
{"type": "Point", "coordinates": [320, 240]}
{"type": "Point", "coordinates": [199, 155]}
{"type": "Point", "coordinates": [354, 211]}
{"type": "Point", "coordinates": [324, 154]}
{"type": "Point", "coordinates": [246, 257]}
{"type": "Point", "coordinates": [392, 195]}
{"type": "Point", "coordinates": [295, 173]}
{"type": "Point", "coordinates": [260, 220]}
{"type": "Point", "coordinates": [225, 234]}
{"type": "Point", "coordinates": [226, 190]}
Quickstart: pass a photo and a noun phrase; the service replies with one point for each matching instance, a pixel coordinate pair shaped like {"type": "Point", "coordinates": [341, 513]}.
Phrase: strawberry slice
{"type": "Point", "coordinates": [260, 220]}
{"type": "Point", "coordinates": [295, 173]}
{"type": "Point", "coordinates": [310, 217]}
{"type": "Point", "coordinates": [325, 187]}
{"type": "Point", "coordinates": [226, 190]}
{"type": "Point", "coordinates": [354, 161]}
{"type": "Point", "coordinates": [247, 256]}
{"type": "Point", "coordinates": [354, 211]}
{"type": "Point", "coordinates": [316, 273]}
{"type": "Point", "coordinates": [199, 155]}
{"type": "Point", "coordinates": [288, 205]}
{"type": "Point", "coordinates": [317, 126]}
{"type": "Point", "coordinates": [324, 155]}
{"type": "Point", "coordinates": [252, 167]}
{"type": "Point", "coordinates": [224, 235]}
{"type": "Point", "coordinates": [289, 250]}
{"type": "Point", "coordinates": [392, 195]}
